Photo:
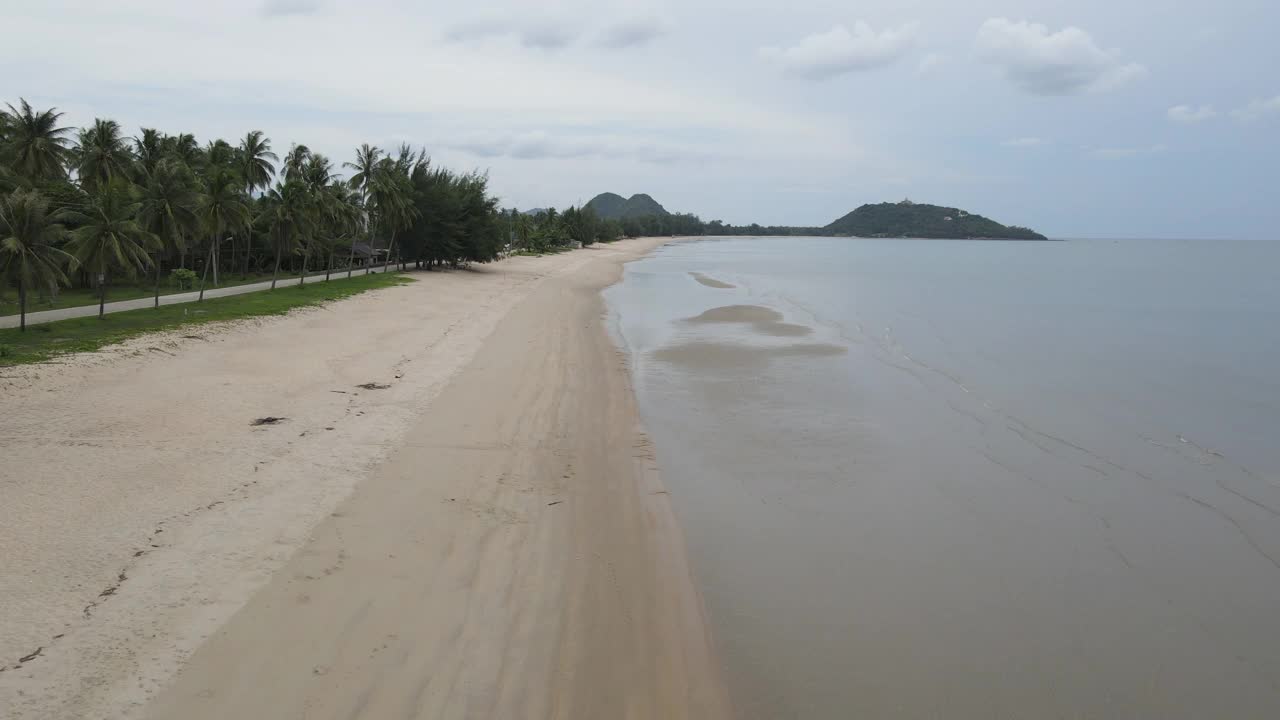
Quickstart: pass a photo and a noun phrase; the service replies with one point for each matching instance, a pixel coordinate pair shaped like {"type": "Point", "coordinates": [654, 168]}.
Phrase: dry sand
{"type": "Point", "coordinates": [486, 537]}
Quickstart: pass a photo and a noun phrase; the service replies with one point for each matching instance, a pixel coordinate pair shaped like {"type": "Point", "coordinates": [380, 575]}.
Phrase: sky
{"type": "Point", "coordinates": [1081, 118]}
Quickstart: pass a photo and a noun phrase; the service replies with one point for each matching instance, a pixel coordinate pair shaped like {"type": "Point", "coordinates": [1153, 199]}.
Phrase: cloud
{"type": "Point", "coordinates": [1126, 152]}
{"type": "Point", "coordinates": [932, 63]}
{"type": "Point", "coordinates": [1190, 115]}
{"type": "Point", "coordinates": [281, 8]}
{"type": "Point", "coordinates": [1258, 110]}
{"type": "Point", "coordinates": [631, 32]}
{"type": "Point", "coordinates": [1039, 62]}
{"type": "Point", "coordinates": [1023, 142]}
{"type": "Point", "coordinates": [539, 34]}
{"type": "Point", "coordinates": [539, 145]}
{"type": "Point", "coordinates": [839, 51]}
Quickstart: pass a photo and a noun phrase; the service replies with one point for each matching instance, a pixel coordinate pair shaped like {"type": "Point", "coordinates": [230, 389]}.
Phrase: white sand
{"type": "Point", "coordinates": [412, 521]}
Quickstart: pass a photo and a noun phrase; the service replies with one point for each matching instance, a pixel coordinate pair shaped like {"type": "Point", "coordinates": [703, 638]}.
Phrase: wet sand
{"type": "Point", "coordinates": [485, 537]}
{"type": "Point", "coordinates": [712, 282]}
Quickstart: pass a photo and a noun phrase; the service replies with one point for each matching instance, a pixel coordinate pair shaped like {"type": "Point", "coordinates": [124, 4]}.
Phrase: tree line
{"type": "Point", "coordinates": [88, 206]}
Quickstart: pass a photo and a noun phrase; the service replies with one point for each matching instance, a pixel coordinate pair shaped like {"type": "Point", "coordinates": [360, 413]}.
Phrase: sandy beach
{"type": "Point", "coordinates": [479, 531]}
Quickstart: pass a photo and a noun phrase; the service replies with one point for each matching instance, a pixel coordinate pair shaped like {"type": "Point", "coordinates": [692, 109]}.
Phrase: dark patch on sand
{"type": "Point", "coordinates": [712, 282]}
{"type": "Point", "coordinates": [763, 320]}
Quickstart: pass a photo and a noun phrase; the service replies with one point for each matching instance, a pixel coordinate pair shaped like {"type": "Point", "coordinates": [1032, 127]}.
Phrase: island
{"type": "Point", "coordinates": [919, 220]}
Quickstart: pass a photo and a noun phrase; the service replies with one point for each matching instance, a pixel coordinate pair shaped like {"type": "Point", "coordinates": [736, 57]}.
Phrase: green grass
{"type": "Point", "coordinates": [42, 342]}
{"type": "Point", "coordinates": [79, 297]}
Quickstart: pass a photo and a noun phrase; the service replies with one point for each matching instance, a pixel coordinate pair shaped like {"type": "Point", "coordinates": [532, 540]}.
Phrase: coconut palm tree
{"type": "Point", "coordinates": [170, 201]}
{"type": "Point", "coordinates": [185, 148]}
{"type": "Point", "coordinates": [149, 150]}
{"type": "Point", "coordinates": [316, 174]}
{"type": "Point", "coordinates": [339, 208]}
{"type": "Point", "coordinates": [392, 194]}
{"type": "Point", "coordinates": [290, 219]}
{"type": "Point", "coordinates": [109, 236]}
{"type": "Point", "coordinates": [102, 155]}
{"type": "Point", "coordinates": [29, 256]}
{"type": "Point", "coordinates": [222, 209]}
{"type": "Point", "coordinates": [295, 161]}
{"type": "Point", "coordinates": [256, 170]}
{"type": "Point", "coordinates": [36, 149]}
{"type": "Point", "coordinates": [365, 166]}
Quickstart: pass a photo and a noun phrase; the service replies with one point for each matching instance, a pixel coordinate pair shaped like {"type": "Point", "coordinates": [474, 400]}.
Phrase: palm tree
{"type": "Point", "coordinates": [317, 175]}
{"type": "Point", "coordinates": [340, 212]}
{"type": "Point", "coordinates": [256, 170]}
{"type": "Point", "coordinates": [148, 148]}
{"type": "Point", "coordinates": [109, 236]}
{"type": "Point", "coordinates": [222, 209]}
{"type": "Point", "coordinates": [170, 200]}
{"type": "Point", "coordinates": [185, 148]}
{"type": "Point", "coordinates": [393, 198]}
{"type": "Point", "coordinates": [28, 253]}
{"type": "Point", "coordinates": [291, 216]}
{"type": "Point", "coordinates": [37, 147]}
{"type": "Point", "coordinates": [365, 166]}
{"type": "Point", "coordinates": [101, 155]}
{"type": "Point", "coordinates": [295, 161]}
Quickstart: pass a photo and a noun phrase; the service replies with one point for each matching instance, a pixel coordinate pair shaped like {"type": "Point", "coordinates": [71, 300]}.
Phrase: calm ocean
{"type": "Point", "coordinates": [968, 479]}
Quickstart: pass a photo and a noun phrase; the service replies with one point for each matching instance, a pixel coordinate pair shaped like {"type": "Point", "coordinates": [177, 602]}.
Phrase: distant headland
{"type": "Point", "coordinates": [642, 215]}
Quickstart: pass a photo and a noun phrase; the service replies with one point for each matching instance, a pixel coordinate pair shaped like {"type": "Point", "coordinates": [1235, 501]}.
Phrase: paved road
{"type": "Point", "coordinates": [48, 316]}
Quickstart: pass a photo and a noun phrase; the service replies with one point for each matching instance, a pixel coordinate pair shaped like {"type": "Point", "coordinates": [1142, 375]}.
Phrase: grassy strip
{"type": "Point", "coordinates": [42, 342]}
{"type": "Point", "coordinates": [79, 297]}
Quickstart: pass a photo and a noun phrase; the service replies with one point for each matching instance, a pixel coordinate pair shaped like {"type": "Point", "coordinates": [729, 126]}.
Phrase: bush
{"type": "Point", "coordinates": [183, 279]}
{"type": "Point", "coordinates": [5, 351]}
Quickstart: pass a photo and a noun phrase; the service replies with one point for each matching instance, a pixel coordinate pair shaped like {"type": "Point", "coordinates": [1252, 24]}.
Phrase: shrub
{"type": "Point", "coordinates": [5, 351]}
{"type": "Point", "coordinates": [183, 279]}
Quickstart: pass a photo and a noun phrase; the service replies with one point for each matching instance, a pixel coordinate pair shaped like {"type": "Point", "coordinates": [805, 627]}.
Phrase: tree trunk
{"type": "Point", "coordinates": [216, 258]}
{"type": "Point", "coordinates": [248, 245]}
{"type": "Point", "coordinates": [157, 282]}
{"type": "Point", "coordinates": [328, 268]}
{"type": "Point", "coordinates": [391, 247]}
{"type": "Point", "coordinates": [22, 305]}
{"type": "Point", "coordinates": [351, 258]}
{"type": "Point", "coordinates": [102, 299]}
{"type": "Point", "coordinates": [205, 275]}
{"type": "Point", "coordinates": [276, 272]}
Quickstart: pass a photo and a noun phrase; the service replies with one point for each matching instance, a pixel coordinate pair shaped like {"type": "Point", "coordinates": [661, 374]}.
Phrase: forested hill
{"type": "Point", "coordinates": [908, 219]}
{"type": "Point", "coordinates": [610, 206]}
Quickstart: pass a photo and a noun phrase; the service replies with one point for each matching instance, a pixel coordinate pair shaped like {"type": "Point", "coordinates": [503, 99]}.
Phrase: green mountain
{"type": "Point", "coordinates": [610, 206]}
{"type": "Point", "coordinates": [908, 219]}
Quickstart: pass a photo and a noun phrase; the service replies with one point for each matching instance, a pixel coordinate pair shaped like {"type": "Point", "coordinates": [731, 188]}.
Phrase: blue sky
{"type": "Point", "coordinates": [1088, 118]}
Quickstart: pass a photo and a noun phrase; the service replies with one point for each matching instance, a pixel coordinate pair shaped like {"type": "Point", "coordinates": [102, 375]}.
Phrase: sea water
{"type": "Point", "coordinates": [973, 479]}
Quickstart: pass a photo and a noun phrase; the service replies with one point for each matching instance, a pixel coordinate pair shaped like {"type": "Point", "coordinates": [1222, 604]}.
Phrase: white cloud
{"type": "Point", "coordinates": [932, 62]}
{"type": "Point", "coordinates": [1125, 152]}
{"type": "Point", "coordinates": [1190, 115]}
{"type": "Point", "coordinates": [540, 145]}
{"type": "Point", "coordinates": [277, 8]}
{"type": "Point", "coordinates": [1044, 63]}
{"type": "Point", "coordinates": [1023, 142]}
{"type": "Point", "coordinates": [839, 51]}
{"type": "Point", "coordinates": [631, 32]}
{"type": "Point", "coordinates": [1258, 110]}
{"type": "Point", "coordinates": [531, 33]}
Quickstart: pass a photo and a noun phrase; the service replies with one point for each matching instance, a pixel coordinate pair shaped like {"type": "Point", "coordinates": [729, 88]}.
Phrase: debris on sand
{"type": "Point", "coordinates": [268, 420]}
{"type": "Point", "coordinates": [373, 386]}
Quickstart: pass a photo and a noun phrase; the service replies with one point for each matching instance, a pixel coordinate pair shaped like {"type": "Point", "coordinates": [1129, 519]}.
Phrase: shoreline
{"type": "Point", "coordinates": [536, 560]}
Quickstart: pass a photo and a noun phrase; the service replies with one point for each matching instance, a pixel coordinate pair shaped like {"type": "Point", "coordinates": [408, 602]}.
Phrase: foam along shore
{"type": "Point", "coordinates": [478, 531]}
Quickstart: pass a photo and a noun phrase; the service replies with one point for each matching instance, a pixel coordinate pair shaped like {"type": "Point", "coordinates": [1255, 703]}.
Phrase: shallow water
{"type": "Point", "coordinates": [973, 479]}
